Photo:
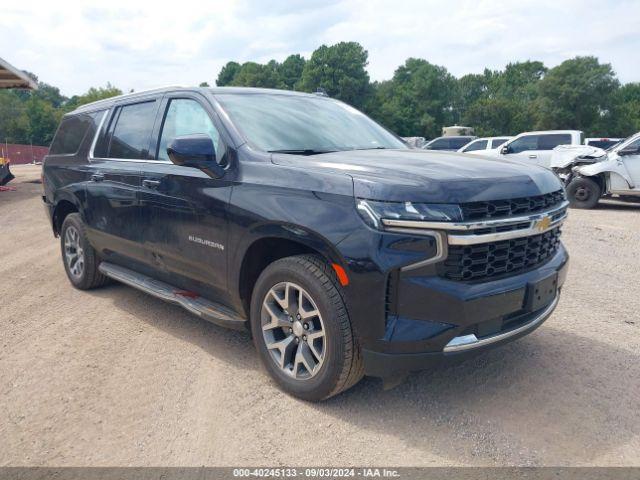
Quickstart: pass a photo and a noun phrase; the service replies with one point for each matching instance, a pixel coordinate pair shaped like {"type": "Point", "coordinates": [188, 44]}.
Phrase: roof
{"type": "Point", "coordinates": [11, 77]}
{"type": "Point", "coordinates": [106, 103]}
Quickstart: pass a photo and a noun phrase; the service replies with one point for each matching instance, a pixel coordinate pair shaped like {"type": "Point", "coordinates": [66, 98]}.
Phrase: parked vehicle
{"type": "Point", "coordinates": [450, 143]}
{"type": "Point", "coordinates": [297, 217]}
{"type": "Point", "coordinates": [591, 173]}
{"type": "Point", "coordinates": [536, 147]}
{"type": "Point", "coordinates": [603, 143]}
{"type": "Point", "coordinates": [479, 146]}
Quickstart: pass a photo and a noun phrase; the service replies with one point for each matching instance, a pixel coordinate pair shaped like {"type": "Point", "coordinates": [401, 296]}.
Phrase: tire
{"type": "Point", "coordinates": [78, 256]}
{"type": "Point", "coordinates": [583, 193]}
{"type": "Point", "coordinates": [326, 340]}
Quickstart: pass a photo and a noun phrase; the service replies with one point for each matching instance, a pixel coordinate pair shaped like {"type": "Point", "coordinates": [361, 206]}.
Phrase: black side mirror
{"type": "Point", "coordinates": [195, 151]}
{"type": "Point", "coordinates": [504, 150]}
{"type": "Point", "coordinates": [629, 151]}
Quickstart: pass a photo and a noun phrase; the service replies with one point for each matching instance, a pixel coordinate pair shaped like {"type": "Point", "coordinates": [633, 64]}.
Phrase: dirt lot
{"type": "Point", "coordinates": [114, 377]}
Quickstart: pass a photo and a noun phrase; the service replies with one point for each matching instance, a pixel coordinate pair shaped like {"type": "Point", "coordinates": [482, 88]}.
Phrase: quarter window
{"type": "Point", "coordinates": [72, 131]}
{"type": "Point", "coordinates": [132, 132]}
{"type": "Point", "coordinates": [186, 117]}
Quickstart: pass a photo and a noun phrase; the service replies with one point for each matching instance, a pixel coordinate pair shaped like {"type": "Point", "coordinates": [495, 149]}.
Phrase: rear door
{"type": "Point", "coordinates": [114, 213]}
{"type": "Point", "coordinates": [184, 209]}
{"type": "Point", "coordinates": [523, 148]}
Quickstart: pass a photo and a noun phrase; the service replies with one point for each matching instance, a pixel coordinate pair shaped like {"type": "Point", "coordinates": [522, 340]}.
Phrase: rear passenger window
{"type": "Point", "coordinates": [551, 141]}
{"type": "Point", "coordinates": [70, 134]}
{"type": "Point", "coordinates": [132, 131]}
{"type": "Point", "coordinates": [186, 117]}
{"type": "Point", "coordinates": [457, 143]}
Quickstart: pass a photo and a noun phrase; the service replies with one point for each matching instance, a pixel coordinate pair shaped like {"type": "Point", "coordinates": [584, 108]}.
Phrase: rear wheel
{"type": "Point", "coordinates": [79, 258]}
{"type": "Point", "coordinates": [302, 330]}
{"type": "Point", "coordinates": [583, 193]}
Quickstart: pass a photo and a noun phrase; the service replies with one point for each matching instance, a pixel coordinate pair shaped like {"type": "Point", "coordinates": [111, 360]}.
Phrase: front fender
{"type": "Point", "coordinates": [607, 167]}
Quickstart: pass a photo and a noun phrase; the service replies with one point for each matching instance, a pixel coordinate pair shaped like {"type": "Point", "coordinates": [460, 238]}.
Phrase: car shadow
{"type": "Point", "coordinates": [551, 398]}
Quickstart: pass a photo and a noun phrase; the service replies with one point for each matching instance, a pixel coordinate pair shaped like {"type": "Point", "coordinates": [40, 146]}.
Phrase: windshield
{"type": "Point", "coordinates": [303, 124]}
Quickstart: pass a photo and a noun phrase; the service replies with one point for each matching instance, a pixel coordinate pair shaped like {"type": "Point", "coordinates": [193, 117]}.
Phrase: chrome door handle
{"type": "Point", "coordinates": [153, 184]}
{"type": "Point", "coordinates": [97, 177]}
{"type": "Point", "coordinates": [533, 156]}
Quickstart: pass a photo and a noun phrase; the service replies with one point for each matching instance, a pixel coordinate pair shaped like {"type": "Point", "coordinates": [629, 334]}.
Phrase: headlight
{"type": "Point", "coordinates": [372, 212]}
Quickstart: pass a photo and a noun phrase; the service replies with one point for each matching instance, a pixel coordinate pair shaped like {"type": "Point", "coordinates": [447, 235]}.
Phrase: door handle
{"type": "Point", "coordinates": [153, 184]}
{"type": "Point", "coordinates": [97, 177]}
{"type": "Point", "coordinates": [533, 156]}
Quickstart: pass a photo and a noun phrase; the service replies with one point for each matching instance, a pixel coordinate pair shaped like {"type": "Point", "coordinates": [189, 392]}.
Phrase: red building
{"type": "Point", "coordinates": [21, 154]}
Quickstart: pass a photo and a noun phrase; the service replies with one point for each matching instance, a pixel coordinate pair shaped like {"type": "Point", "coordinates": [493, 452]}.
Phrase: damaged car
{"type": "Point", "coordinates": [590, 173]}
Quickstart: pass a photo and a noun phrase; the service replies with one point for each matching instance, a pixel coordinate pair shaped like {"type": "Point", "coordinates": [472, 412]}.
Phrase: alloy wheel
{"type": "Point", "coordinates": [73, 252]}
{"type": "Point", "coordinates": [293, 330]}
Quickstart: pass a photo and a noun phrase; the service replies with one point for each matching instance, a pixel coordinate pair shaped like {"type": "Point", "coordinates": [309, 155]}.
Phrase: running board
{"type": "Point", "coordinates": [206, 309]}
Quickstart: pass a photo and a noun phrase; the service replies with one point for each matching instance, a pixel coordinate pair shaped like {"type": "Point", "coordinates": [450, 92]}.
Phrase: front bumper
{"type": "Point", "coordinates": [440, 321]}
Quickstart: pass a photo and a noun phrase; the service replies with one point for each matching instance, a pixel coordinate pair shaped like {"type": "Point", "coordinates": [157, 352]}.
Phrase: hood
{"type": "Point", "coordinates": [564, 155]}
{"type": "Point", "coordinates": [429, 176]}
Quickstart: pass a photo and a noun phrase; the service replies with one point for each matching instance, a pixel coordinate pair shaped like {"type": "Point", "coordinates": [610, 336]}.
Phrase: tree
{"type": "Point", "coordinates": [577, 94]}
{"type": "Point", "coordinates": [253, 74]}
{"type": "Point", "coordinates": [228, 72]}
{"type": "Point", "coordinates": [418, 100]}
{"type": "Point", "coordinates": [203, 84]}
{"type": "Point", "coordinates": [93, 95]}
{"type": "Point", "coordinates": [290, 70]}
{"type": "Point", "coordinates": [340, 70]}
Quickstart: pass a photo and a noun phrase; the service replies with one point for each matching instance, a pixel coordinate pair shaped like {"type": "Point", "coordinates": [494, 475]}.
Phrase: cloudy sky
{"type": "Point", "coordinates": [141, 44]}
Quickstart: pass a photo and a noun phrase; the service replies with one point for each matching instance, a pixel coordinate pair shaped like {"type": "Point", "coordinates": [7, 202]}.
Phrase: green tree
{"type": "Point", "coordinates": [290, 70]}
{"type": "Point", "coordinates": [577, 94]}
{"type": "Point", "coordinates": [228, 72]}
{"type": "Point", "coordinates": [93, 95]}
{"type": "Point", "coordinates": [253, 74]}
{"type": "Point", "coordinates": [340, 70]}
{"type": "Point", "coordinates": [43, 118]}
{"type": "Point", "coordinates": [417, 101]}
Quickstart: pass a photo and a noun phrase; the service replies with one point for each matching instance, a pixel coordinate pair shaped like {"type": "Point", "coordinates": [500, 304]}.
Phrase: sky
{"type": "Point", "coordinates": [142, 44]}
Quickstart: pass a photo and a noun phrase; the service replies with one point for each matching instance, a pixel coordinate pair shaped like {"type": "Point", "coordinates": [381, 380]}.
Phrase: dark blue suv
{"type": "Point", "coordinates": [295, 216]}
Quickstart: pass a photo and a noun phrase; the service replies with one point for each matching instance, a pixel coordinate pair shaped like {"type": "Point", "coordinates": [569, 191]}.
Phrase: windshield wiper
{"type": "Point", "coordinates": [371, 148]}
{"type": "Point", "coordinates": [301, 151]}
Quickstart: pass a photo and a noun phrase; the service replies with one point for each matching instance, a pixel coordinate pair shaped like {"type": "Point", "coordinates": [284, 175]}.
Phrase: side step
{"type": "Point", "coordinates": [211, 311]}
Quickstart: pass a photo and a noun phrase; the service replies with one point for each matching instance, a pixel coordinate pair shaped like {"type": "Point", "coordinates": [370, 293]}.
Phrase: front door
{"type": "Point", "coordinates": [184, 209]}
{"type": "Point", "coordinates": [632, 166]}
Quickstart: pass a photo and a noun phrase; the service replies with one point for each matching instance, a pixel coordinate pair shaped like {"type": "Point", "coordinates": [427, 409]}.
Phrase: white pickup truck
{"type": "Point", "coordinates": [536, 147]}
{"type": "Point", "coordinates": [590, 173]}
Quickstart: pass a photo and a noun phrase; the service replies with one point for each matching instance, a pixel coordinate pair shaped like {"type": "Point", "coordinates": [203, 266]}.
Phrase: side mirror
{"type": "Point", "coordinates": [504, 150]}
{"type": "Point", "coordinates": [195, 151]}
{"type": "Point", "coordinates": [629, 151]}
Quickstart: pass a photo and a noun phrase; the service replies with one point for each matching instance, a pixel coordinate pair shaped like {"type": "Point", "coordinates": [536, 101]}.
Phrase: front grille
{"type": "Point", "coordinates": [473, 262]}
{"type": "Point", "coordinates": [511, 207]}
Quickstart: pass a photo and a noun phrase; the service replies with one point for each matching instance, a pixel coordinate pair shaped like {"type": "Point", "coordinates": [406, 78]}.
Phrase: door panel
{"type": "Point", "coordinates": [113, 214]}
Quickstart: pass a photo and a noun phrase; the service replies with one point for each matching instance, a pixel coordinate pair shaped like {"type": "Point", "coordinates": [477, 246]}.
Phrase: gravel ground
{"type": "Point", "coordinates": [114, 377]}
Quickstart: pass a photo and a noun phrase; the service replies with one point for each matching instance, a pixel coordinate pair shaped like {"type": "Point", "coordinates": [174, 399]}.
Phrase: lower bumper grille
{"type": "Point", "coordinates": [485, 260]}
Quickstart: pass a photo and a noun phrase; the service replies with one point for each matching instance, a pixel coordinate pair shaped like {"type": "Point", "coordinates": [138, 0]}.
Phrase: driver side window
{"type": "Point", "coordinates": [186, 117]}
{"type": "Point", "coordinates": [522, 144]}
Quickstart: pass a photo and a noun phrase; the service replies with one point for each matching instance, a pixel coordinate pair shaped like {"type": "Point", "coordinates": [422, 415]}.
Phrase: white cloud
{"type": "Point", "coordinates": [140, 44]}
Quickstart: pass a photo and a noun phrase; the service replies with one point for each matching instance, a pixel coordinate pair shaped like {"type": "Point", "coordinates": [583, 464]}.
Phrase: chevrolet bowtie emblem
{"type": "Point", "coordinates": [542, 224]}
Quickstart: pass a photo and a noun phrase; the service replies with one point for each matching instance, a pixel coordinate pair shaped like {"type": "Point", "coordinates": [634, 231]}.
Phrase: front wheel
{"type": "Point", "coordinates": [301, 329]}
{"type": "Point", "coordinates": [583, 193]}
